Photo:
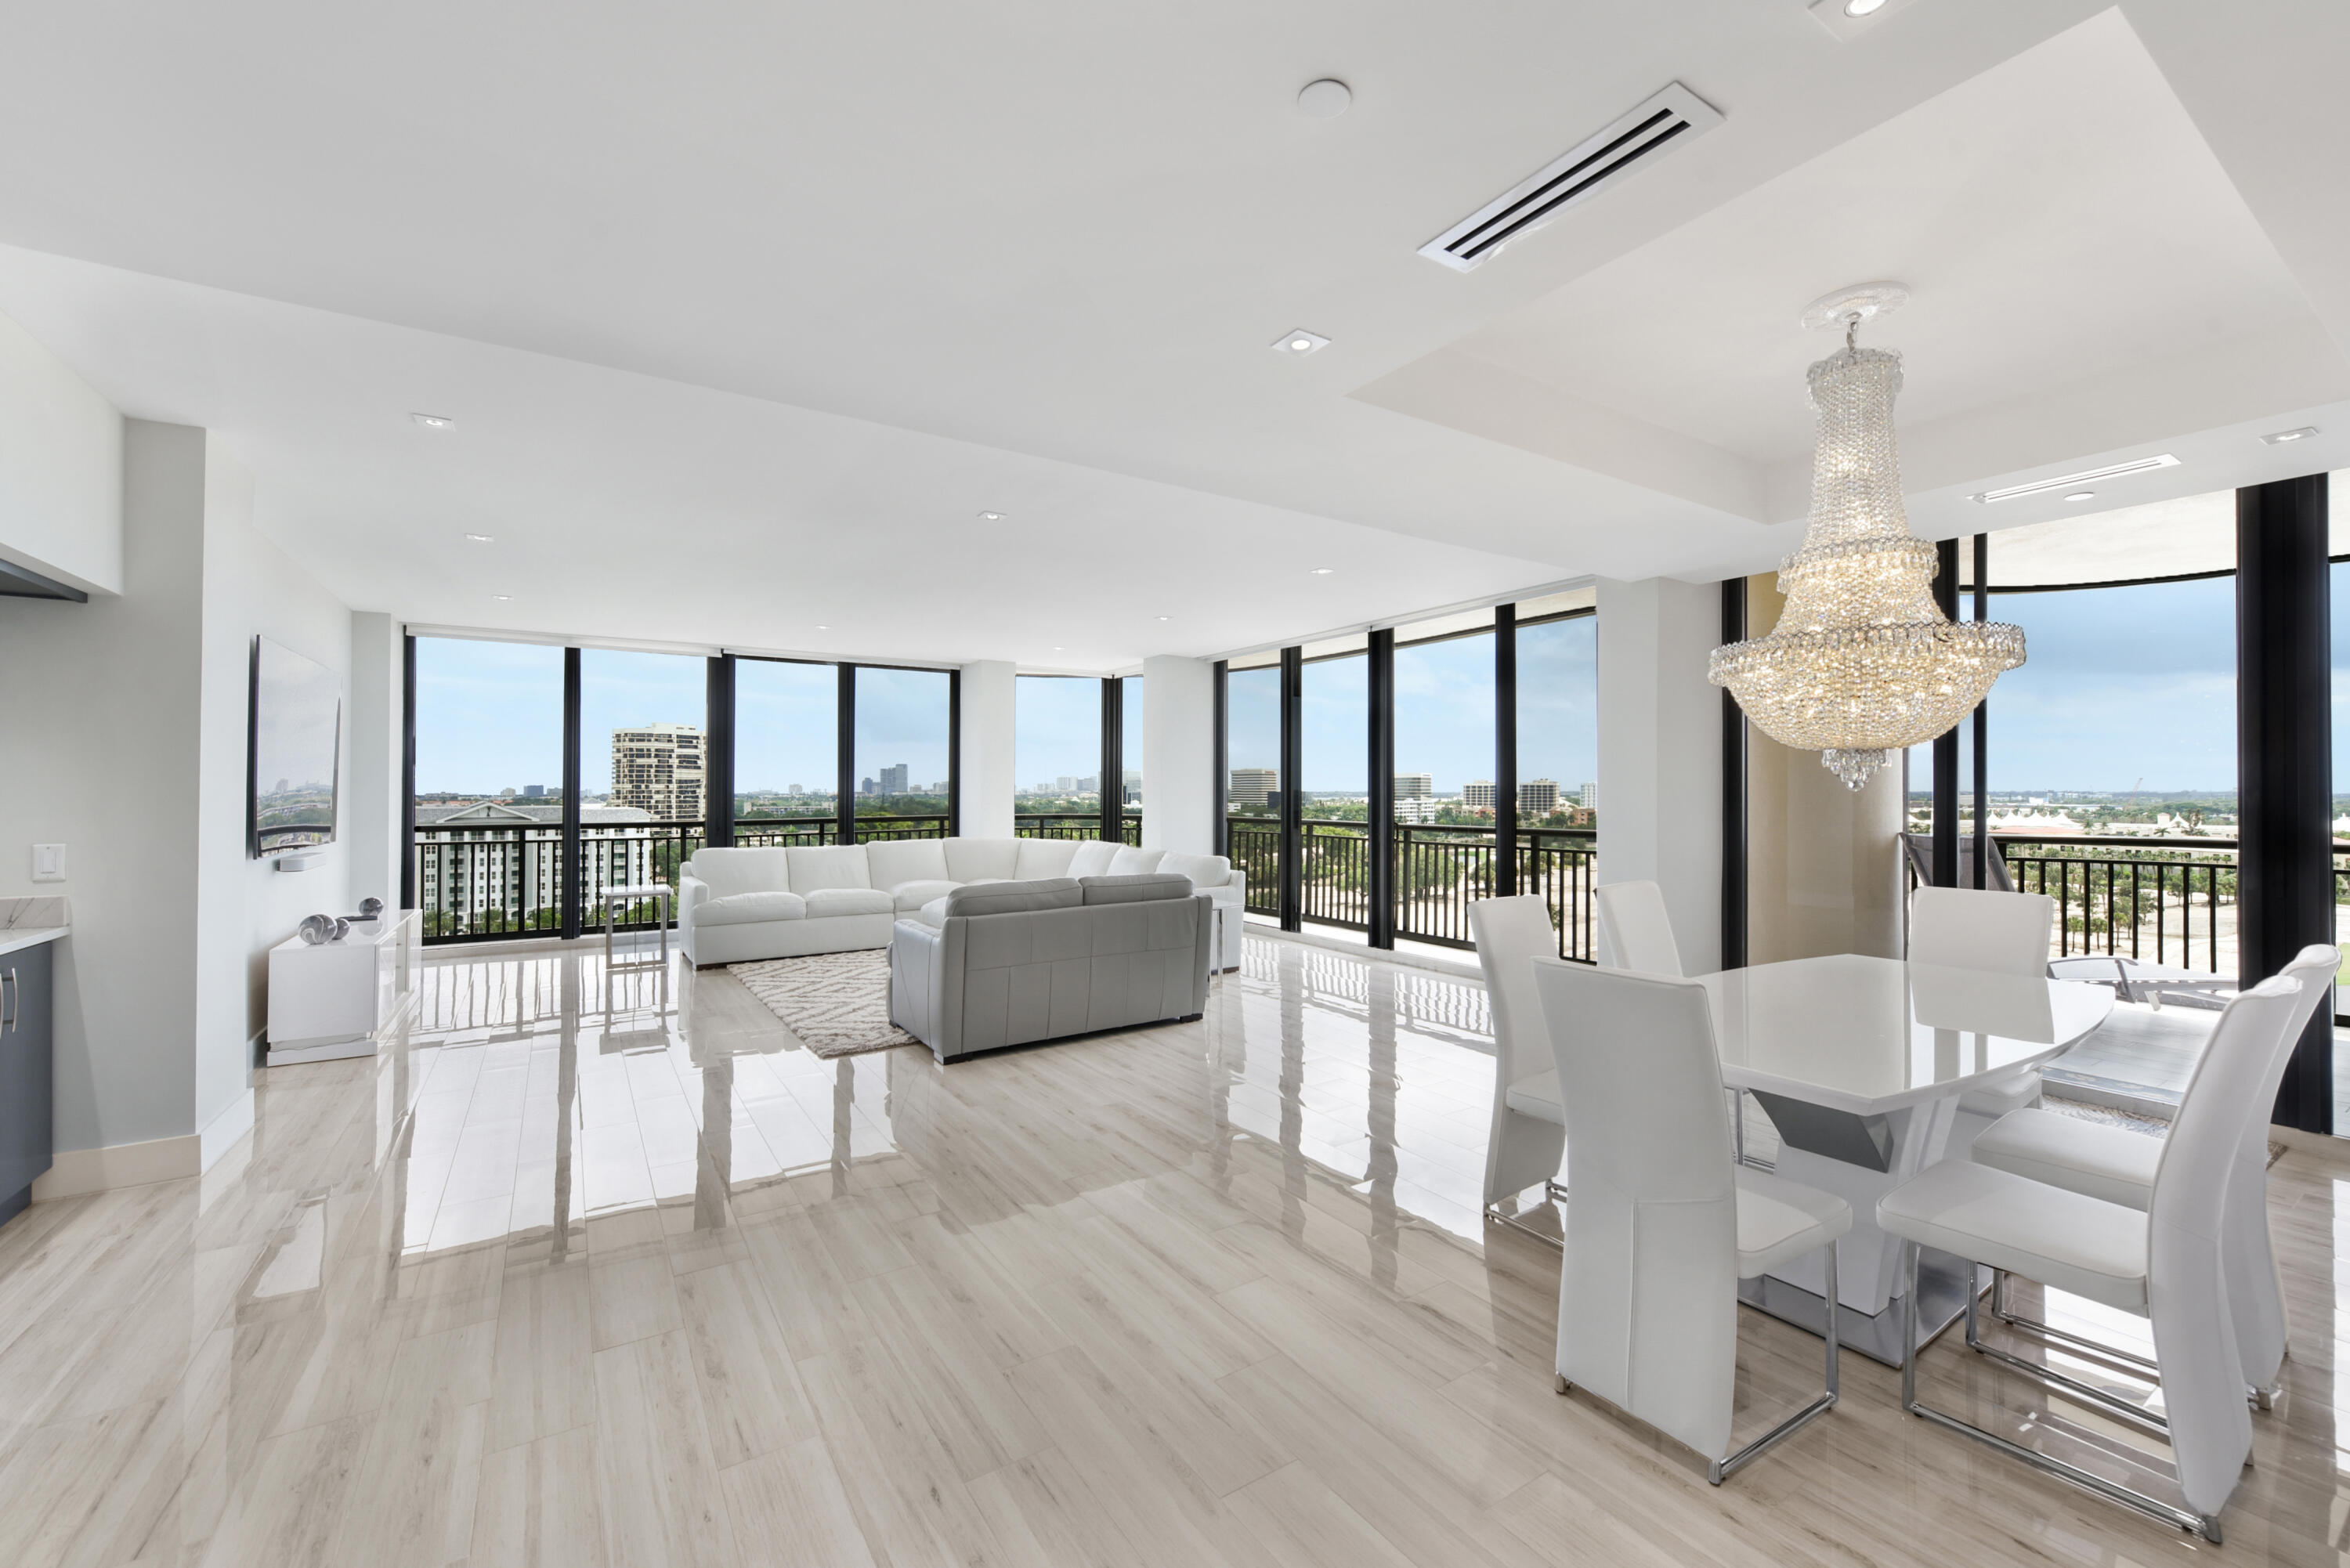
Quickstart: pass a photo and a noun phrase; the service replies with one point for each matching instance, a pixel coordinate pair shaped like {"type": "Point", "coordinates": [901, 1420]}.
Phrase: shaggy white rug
{"type": "Point", "coordinates": [838, 1003]}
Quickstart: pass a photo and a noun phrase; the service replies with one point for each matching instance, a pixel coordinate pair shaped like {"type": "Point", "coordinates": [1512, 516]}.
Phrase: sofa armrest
{"type": "Point", "coordinates": [690, 890]}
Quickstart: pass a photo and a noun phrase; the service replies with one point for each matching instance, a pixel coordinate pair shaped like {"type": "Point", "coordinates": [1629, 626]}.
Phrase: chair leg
{"type": "Point", "coordinates": [2047, 1378]}
{"type": "Point", "coordinates": [2204, 1525]}
{"type": "Point", "coordinates": [1515, 1224]}
{"type": "Point", "coordinates": [1720, 1470]}
{"type": "Point", "coordinates": [2034, 1326]}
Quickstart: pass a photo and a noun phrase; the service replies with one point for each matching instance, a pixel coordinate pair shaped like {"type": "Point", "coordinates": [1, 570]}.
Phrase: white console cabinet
{"type": "Point", "coordinates": [332, 999]}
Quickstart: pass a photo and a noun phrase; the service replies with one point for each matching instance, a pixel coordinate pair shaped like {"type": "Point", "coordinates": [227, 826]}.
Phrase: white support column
{"type": "Point", "coordinates": [987, 748]}
{"type": "Point", "coordinates": [1179, 750]}
{"type": "Point", "coordinates": [1660, 752]}
{"type": "Point", "coordinates": [376, 742]}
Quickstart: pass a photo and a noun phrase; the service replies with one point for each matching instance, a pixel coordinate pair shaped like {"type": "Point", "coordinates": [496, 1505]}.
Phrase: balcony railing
{"type": "Point", "coordinates": [1439, 871]}
{"type": "Point", "coordinates": [487, 882]}
{"type": "Point", "coordinates": [1079, 825]}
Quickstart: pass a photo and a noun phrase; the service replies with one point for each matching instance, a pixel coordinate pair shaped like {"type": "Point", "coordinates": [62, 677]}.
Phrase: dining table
{"type": "Point", "coordinates": [1860, 1062]}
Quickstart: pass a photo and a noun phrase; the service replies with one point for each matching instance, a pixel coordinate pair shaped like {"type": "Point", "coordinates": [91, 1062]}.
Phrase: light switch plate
{"type": "Point", "coordinates": [48, 862]}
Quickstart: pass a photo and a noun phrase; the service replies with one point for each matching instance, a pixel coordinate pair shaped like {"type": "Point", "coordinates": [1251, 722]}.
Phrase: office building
{"type": "Point", "coordinates": [658, 769]}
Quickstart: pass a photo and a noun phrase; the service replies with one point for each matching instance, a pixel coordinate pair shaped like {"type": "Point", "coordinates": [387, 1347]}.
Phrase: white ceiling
{"type": "Point", "coordinates": [743, 313]}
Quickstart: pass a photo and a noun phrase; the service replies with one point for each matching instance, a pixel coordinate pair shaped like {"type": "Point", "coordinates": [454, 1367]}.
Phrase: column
{"type": "Point", "coordinates": [985, 692]}
{"type": "Point", "coordinates": [1181, 740]}
{"type": "Point", "coordinates": [1660, 752]}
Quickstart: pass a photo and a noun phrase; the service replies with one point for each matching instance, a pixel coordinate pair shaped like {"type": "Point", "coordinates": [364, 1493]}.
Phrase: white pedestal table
{"type": "Point", "coordinates": [1859, 1063]}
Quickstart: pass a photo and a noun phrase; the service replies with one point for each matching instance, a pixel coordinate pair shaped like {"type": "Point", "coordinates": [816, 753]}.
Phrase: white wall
{"type": "Point", "coordinates": [371, 793]}
{"type": "Point", "coordinates": [102, 703]}
{"type": "Point", "coordinates": [132, 709]}
{"type": "Point", "coordinates": [1660, 752]}
{"type": "Point", "coordinates": [247, 906]}
{"type": "Point", "coordinates": [60, 469]}
{"type": "Point", "coordinates": [1179, 786]}
{"type": "Point", "coordinates": [985, 774]}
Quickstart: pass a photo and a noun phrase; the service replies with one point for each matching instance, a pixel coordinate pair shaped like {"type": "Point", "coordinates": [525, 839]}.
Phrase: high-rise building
{"type": "Point", "coordinates": [1591, 796]}
{"type": "Point", "coordinates": [893, 779]}
{"type": "Point", "coordinates": [1538, 797]}
{"type": "Point", "coordinates": [1477, 795]}
{"type": "Point", "coordinates": [1066, 785]}
{"type": "Point", "coordinates": [1416, 809]}
{"type": "Point", "coordinates": [1252, 785]}
{"type": "Point", "coordinates": [1414, 786]}
{"type": "Point", "coordinates": [658, 769]}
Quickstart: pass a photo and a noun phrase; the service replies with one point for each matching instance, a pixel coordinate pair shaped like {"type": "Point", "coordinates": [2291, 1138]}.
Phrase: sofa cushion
{"type": "Point", "coordinates": [1045, 857]}
{"type": "Point", "coordinates": [748, 908]}
{"type": "Point", "coordinates": [1206, 871]}
{"type": "Point", "coordinates": [825, 902]}
{"type": "Point", "coordinates": [833, 865]}
{"type": "Point", "coordinates": [1015, 897]}
{"type": "Point", "coordinates": [727, 872]}
{"type": "Point", "coordinates": [1145, 889]}
{"type": "Point", "coordinates": [1135, 862]}
{"type": "Point", "coordinates": [914, 894]}
{"type": "Point", "coordinates": [933, 913]}
{"type": "Point", "coordinates": [1093, 857]}
{"type": "Point", "coordinates": [891, 861]}
{"type": "Point", "coordinates": [981, 859]}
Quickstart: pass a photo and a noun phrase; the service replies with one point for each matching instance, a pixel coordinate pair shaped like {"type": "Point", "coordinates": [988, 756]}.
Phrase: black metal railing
{"type": "Point", "coordinates": [1074, 825]}
{"type": "Point", "coordinates": [1439, 871]}
{"type": "Point", "coordinates": [501, 882]}
{"type": "Point", "coordinates": [2169, 900]}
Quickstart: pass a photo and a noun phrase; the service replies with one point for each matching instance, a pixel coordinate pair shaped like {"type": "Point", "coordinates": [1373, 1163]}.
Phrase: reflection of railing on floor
{"type": "Point", "coordinates": [1427, 1003]}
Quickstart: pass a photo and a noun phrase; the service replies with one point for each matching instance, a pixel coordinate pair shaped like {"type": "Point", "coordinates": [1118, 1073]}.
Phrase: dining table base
{"type": "Point", "coordinates": [1941, 1301]}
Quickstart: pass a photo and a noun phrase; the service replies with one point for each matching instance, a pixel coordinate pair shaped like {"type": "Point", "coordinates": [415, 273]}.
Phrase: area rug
{"type": "Point", "coordinates": [2152, 1126]}
{"type": "Point", "coordinates": [838, 1003]}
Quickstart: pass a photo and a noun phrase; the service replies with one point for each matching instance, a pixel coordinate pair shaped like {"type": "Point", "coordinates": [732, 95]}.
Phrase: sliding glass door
{"type": "Point", "coordinates": [787, 752]}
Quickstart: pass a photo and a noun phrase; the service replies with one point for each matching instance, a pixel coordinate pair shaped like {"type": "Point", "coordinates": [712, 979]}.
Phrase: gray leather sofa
{"type": "Point", "coordinates": [1010, 963]}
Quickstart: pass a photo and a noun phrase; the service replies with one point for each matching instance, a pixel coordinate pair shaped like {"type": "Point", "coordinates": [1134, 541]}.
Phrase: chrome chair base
{"type": "Point", "coordinates": [2262, 1398]}
{"type": "Point", "coordinates": [1723, 1470]}
{"type": "Point", "coordinates": [1550, 1188]}
{"type": "Point", "coordinates": [2204, 1525]}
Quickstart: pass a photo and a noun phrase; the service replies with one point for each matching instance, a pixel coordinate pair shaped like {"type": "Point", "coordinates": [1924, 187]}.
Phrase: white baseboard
{"type": "Point", "coordinates": [235, 1121]}
{"type": "Point", "coordinates": [74, 1171]}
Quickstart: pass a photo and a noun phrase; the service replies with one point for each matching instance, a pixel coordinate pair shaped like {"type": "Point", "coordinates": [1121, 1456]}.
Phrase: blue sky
{"type": "Point", "coordinates": [1056, 729]}
{"type": "Point", "coordinates": [1444, 711]}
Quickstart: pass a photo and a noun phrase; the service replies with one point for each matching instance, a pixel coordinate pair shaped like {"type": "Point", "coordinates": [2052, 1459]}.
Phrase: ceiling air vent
{"type": "Point", "coordinates": [1632, 143]}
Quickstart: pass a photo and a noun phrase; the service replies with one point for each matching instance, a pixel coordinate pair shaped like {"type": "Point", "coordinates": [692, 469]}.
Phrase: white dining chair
{"type": "Point", "coordinates": [1661, 1223]}
{"type": "Point", "coordinates": [1635, 931]}
{"type": "Point", "coordinates": [2164, 1263]}
{"type": "Point", "coordinates": [1527, 1135]}
{"type": "Point", "coordinates": [2002, 933]}
{"type": "Point", "coordinates": [2117, 1165]}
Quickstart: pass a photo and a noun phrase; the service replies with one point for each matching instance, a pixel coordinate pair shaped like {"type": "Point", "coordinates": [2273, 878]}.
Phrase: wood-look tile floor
{"type": "Point", "coordinates": [608, 1271]}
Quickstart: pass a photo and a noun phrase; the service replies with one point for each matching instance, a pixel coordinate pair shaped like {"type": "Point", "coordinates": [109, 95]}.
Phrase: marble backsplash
{"type": "Point", "coordinates": [21, 914]}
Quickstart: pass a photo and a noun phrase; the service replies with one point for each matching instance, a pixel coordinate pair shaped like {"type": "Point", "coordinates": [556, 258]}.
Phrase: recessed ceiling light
{"type": "Point", "coordinates": [503, 598]}
{"type": "Point", "coordinates": [1863, 7]}
{"type": "Point", "coordinates": [2066, 481]}
{"type": "Point", "coordinates": [1328, 99]}
{"type": "Point", "coordinates": [1298, 344]}
{"type": "Point", "coordinates": [824, 629]}
{"type": "Point", "coordinates": [2082, 495]}
{"type": "Point", "coordinates": [434, 421]}
{"type": "Point", "coordinates": [1166, 618]}
{"type": "Point", "coordinates": [2303, 433]}
{"type": "Point", "coordinates": [1321, 571]}
{"type": "Point", "coordinates": [1058, 649]}
{"type": "Point", "coordinates": [481, 538]}
{"type": "Point", "coordinates": [991, 516]}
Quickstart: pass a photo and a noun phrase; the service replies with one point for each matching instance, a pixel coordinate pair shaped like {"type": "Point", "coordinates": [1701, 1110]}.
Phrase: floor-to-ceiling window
{"type": "Point", "coordinates": [1252, 757]}
{"type": "Point", "coordinates": [1558, 803]}
{"type": "Point", "coordinates": [487, 857]}
{"type": "Point", "coordinates": [1130, 738]}
{"type": "Point", "coordinates": [904, 719]}
{"type": "Point", "coordinates": [1333, 734]}
{"type": "Point", "coordinates": [786, 751]}
{"type": "Point", "coordinates": [1443, 776]}
{"type": "Point", "coordinates": [643, 725]}
{"type": "Point", "coordinates": [1056, 756]}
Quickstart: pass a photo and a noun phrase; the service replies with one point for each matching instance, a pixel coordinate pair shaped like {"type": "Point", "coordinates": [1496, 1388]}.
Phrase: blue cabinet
{"type": "Point", "coordinates": [25, 1094]}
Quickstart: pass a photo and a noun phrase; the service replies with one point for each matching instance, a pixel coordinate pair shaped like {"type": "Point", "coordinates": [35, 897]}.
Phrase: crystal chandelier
{"type": "Point", "coordinates": [1862, 662]}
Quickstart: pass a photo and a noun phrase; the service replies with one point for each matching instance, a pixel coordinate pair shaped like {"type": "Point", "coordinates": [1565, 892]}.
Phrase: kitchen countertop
{"type": "Point", "coordinates": [30, 936]}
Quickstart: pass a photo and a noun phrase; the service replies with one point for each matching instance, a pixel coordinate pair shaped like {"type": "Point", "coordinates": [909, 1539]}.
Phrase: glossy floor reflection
{"type": "Point", "coordinates": [604, 1269]}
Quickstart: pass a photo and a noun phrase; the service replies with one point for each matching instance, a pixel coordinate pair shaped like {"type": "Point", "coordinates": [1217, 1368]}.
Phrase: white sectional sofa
{"type": "Point", "coordinates": [735, 905]}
